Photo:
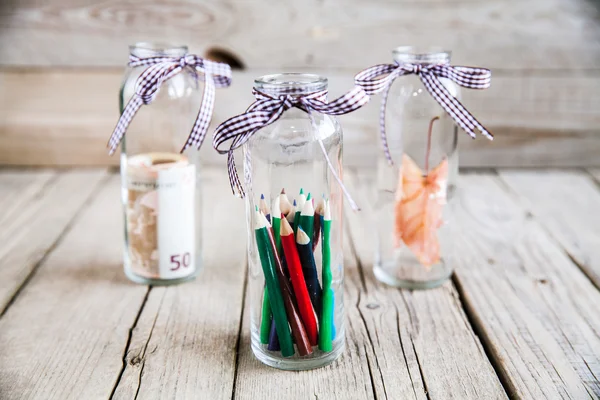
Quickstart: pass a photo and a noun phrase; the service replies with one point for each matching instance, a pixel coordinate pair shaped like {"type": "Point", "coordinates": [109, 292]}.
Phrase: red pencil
{"type": "Point", "coordinates": [305, 306]}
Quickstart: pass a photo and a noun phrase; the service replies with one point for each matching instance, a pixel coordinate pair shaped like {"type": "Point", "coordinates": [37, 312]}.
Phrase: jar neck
{"type": "Point", "coordinates": [290, 83]}
{"type": "Point", "coordinates": [415, 55]}
{"type": "Point", "coordinates": [145, 49]}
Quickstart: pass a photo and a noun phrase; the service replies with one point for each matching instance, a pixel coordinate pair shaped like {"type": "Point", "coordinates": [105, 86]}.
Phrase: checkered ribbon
{"type": "Point", "coordinates": [268, 109]}
{"type": "Point", "coordinates": [161, 69]}
{"type": "Point", "coordinates": [379, 78]}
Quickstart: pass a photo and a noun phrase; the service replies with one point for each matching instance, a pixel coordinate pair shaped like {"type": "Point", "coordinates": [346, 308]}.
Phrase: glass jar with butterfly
{"type": "Point", "coordinates": [416, 189]}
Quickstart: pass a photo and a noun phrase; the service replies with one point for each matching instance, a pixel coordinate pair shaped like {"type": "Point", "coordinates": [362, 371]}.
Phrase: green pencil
{"type": "Point", "coordinates": [326, 322]}
{"type": "Point", "coordinates": [307, 218]}
{"type": "Point", "coordinates": [266, 318]}
{"type": "Point", "coordinates": [267, 260]}
{"type": "Point", "coordinates": [299, 205]}
{"type": "Point", "coordinates": [276, 223]}
{"type": "Point", "coordinates": [266, 314]}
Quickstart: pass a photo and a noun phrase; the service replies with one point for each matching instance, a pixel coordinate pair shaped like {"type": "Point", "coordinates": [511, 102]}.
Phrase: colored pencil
{"type": "Point", "coordinates": [307, 218]}
{"type": "Point", "coordinates": [326, 334]}
{"type": "Point", "coordinates": [266, 318]}
{"type": "Point", "coordinates": [291, 215]}
{"type": "Point", "coordinates": [266, 315]}
{"type": "Point", "coordinates": [276, 222]}
{"type": "Point", "coordinates": [298, 332]}
{"type": "Point", "coordinates": [284, 203]}
{"type": "Point", "coordinates": [305, 307]}
{"type": "Point", "coordinates": [301, 201]}
{"type": "Point", "coordinates": [309, 268]}
{"type": "Point", "coordinates": [264, 208]}
{"type": "Point", "coordinates": [273, 338]}
{"type": "Point", "coordinates": [267, 259]}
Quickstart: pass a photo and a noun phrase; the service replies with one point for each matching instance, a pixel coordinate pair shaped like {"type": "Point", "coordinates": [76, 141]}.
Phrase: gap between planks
{"type": "Point", "coordinates": [527, 299]}
{"type": "Point", "coordinates": [434, 332]}
{"type": "Point", "coordinates": [186, 337]}
{"type": "Point", "coordinates": [43, 219]}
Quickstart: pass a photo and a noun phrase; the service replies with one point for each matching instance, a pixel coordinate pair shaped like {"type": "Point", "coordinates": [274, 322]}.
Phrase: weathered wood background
{"type": "Point", "coordinates": [61, 63]}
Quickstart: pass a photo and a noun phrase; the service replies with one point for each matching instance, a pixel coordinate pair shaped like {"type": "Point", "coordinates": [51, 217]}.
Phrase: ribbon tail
{"type": "Point", "coordinates": [382, 133]}
{"type": "Point", "coordinates": [353, 204]}
{"type": "Point", "coordinates": [453, 107]}
{"type": "Point", "coordinates": [127, 115]}
{"type": "Point", "coordinates": [234, 179]}
{"type": "Point", "coordinates": [198, 133]}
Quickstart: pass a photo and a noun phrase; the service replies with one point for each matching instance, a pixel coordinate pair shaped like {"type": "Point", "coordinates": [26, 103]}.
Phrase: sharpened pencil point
{"type": "Point", "coordinates": [286, 228]}
{"type": "Point", "coordinates": [301, 191]}
{"type": "Point", "coordinates": [302, 237]}
{"type": "Point", "coordinates": [262, 196]}
{"type": "Point", "coordinates": [308, 197]}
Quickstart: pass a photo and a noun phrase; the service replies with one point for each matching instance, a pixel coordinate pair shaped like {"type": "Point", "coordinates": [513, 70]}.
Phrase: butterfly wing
{"type": "Point", "coordinates": [418, 212]}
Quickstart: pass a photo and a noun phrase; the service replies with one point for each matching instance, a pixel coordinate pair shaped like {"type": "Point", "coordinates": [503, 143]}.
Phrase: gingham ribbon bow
{"type": "Point", "coordinates": [379, 78]}
{"type": "Point", "coordinates": [268, 109]}
{"type": "Point", "coordinates": [161, 69]}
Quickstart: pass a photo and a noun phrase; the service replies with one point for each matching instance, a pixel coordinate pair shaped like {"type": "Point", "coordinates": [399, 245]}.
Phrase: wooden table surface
{"type": "Point", "coordinates": [519, 319]}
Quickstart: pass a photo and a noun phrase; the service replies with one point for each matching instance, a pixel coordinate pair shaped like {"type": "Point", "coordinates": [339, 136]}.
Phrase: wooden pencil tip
{"type": "Point", "coordinates": [308, 197]}
{"type": "Point", "coordinates": [258, 220]}
{"type": "Point", "coordinates": [308, 208]}
{"type": "Point", "coordinates": [286, 228]}
{"type": "Point", "coordinates": [262, 196]}
{"type": "Point", "coordinates": [301, 191]}
{"type": "Point", "coordinates": [302, 237]}
{"type": "Point", "coordinates": [282, 190]}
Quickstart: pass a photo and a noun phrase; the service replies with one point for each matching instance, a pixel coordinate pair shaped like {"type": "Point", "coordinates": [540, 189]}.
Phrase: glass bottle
{"type": "Point", "coordinates": [415, 194]}
{"type": "Point", "coordinates": [285, 164]}
{"type": "Point", "coordinates": [161, 186]}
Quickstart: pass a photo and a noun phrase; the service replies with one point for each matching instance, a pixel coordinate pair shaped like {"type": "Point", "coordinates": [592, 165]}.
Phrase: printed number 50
{"type": "Point", "coordinates": [179, 260]}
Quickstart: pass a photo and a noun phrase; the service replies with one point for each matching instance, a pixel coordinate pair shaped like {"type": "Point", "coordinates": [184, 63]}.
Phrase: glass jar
{"type": "Point", "coordinates": [414, 195]}
{"type": "Point", "coordinates": [161, 186]}
{"type": "Point", "coordinates": [298, 280]}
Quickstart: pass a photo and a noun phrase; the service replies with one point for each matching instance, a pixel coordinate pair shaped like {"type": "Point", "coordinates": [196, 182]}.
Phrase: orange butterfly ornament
{"type": "Point", "coordinates": [420, 199]}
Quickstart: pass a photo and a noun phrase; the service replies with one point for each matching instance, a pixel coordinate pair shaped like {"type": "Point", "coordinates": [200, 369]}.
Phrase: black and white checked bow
{"type": "Point", "coordinates": [379, 78]}
{"type": "Point", "coordinates": [268, 109]}
{"type": "Point", "coordinates": [161, 69]}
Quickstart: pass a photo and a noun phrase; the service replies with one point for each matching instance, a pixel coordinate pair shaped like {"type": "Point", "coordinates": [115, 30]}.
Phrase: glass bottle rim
{"type": "Point", "coordinates": [421, 55]}
{"type": "Point", "coordinates": [153, 49]}
{"type": "Point", "coordinates": [290, 83]}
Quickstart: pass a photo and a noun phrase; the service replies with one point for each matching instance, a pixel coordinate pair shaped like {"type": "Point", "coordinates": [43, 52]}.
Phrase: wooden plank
{"type": "Point", "coordinates": [185, 340]}
{"type": "Point", "coordinates": [426, 331]}
{"type": "Point", "coordinates": [63, 338]}
{"type": "Point", "coordinates": [566, 204]}
{"type": "Point", "coordinates": [540, 34]}
{"type": "Point", "coordinates": [50, 118]}
{"type": "Point", "coordinates": [532, 307]}
{"type": "Point", "coordinates": [37, 207]}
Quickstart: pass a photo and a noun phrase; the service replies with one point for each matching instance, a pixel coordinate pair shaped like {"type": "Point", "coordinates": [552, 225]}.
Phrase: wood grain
{"type": "Point", "coordinates": [185, 341]}
{"type": "Point", "coordinates": [527, 300]}
{"type": "Point", "coordinates": [566, 204]}
{"type": "Point", "coordinates": [537, 34]}
{"type": "Point", "coordinates": [37, 207]}
{"type": "Point", "coordinates": [65, 118]}
{"type": "Point", "coordinates": [425, 332]}
{"type": "Point", "coordinates": [63, 338]}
